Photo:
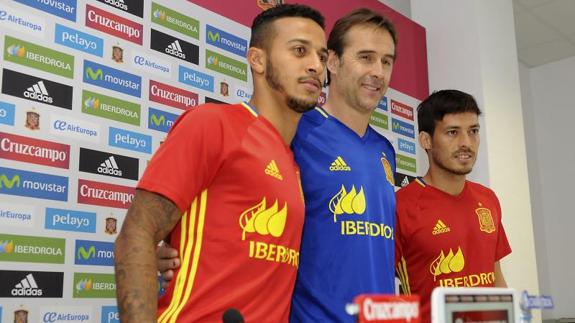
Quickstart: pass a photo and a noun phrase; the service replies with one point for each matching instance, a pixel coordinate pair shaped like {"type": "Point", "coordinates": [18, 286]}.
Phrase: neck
{"type": "Point", "coordinates": [276, 111]}
{"type": "Point", "coordinates": [352, 118]}
{"type": "Point", "coordinates": [445, 181]}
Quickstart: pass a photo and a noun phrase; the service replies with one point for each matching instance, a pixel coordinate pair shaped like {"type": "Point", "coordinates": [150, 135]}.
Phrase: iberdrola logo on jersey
{"type": "Point", "coordinates": [347, 202]}
{"type": "Point", "coordinates": [264, 220]}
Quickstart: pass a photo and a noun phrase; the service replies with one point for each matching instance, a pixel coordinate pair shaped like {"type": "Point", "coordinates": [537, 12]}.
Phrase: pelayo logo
{"type": "Point", "coordinates": [196, 79]}
{"type": "Point", "coordinates": [62, 8]}
{"type": "Point", "coordinates": [45, 59]}
{"type": "Point", "coordinates": [36, 89]}
{"type": "Point", "coordinates": [31, 184]}
{"type": "Point", "coordinates": [110, 108]}
{"type": "Point", "coordinates": [78, 40]}
{"type": "Point", "coordinates": [110, 314]}
{"type": "Point", "coordinates": [130, 140]}
{"type": "Point", "coordinates": [92, 285]}
{"type": "Point", "coordinates": [111, 78]}
{"type": "Point", "coordinates": [7, 113]}
{"type": "Point", "coordinates": [32, 249]}
{"type": "Point", "coordinates": [70, 220]}
{"type": "Point", "coordinates": [225, 65]}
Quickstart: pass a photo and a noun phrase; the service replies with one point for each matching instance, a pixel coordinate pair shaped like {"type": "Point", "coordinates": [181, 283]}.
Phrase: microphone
{"type": "Point", "coordinates": [232, 316]}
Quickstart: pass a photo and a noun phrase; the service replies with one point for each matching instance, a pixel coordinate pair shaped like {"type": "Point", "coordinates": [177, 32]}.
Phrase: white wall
{"type": "Point", "coordinates": [547, 93]}
{"type": "Point", "coordinates": [471, 47]}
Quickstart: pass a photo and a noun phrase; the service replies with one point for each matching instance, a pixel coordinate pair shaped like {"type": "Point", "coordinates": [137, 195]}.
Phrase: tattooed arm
{"type": "Point", "coordinates": [149, 219]}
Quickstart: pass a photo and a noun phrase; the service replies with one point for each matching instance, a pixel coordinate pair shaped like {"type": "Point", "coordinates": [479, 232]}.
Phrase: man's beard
{"type": "Point", "coordinates": [298, 105]}
{"type": "Point", "coordinates": [448, 169]}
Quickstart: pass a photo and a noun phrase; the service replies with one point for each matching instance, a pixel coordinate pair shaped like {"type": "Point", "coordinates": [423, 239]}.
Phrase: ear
{"type": "Point", "coordinates": [257, 60]}
{"type": "Point", "coordinates": [425, 140]}
{"type": "Point", "coordinates": [332, 62]}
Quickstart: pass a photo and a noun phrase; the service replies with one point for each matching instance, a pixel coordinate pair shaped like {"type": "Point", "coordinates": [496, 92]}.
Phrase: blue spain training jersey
{"type": "Point", "coordinates": [347, 246]}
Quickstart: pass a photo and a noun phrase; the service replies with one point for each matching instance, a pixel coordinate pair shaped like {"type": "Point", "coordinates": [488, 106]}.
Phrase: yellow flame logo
{"type": "Point", "coordinates": [452, 263]}
{"type": "Point", "coordinates": [263, 220]}
{"type": "Point", "coordinates": [351, 202]}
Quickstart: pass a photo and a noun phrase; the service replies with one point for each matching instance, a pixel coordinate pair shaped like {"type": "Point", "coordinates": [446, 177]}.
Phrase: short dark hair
{"type": "Point", "coordinates": [262, 30]}
{"type": "Point", "coordinates": [361, 16]}
{"type": "Point", "coordinates": [336, 40]}
{"type": "Point", "coordinates": [440, 103]}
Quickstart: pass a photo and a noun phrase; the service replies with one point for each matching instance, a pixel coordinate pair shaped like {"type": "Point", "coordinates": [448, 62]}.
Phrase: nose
{"type": "Point", "coordinates": [316, 66]}
{"type": "Point", "coordinates": [465, 140]}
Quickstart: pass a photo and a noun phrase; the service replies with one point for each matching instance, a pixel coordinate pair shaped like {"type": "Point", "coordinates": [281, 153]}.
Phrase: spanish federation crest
{"type": "Point", "coordinates": [485, 220]}
{"type": "Point", "coordinates": [388, 171]}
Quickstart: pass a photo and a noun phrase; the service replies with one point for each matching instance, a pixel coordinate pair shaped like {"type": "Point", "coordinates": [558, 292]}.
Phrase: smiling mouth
{"type": "Point", "coordinates": [464, 156]}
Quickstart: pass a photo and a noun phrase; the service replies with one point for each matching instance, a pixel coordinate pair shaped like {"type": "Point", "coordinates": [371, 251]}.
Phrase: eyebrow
{"type": "Point", "coordinates": [306, 42]}
{"type": "Point", "coordinates": [371, 51]}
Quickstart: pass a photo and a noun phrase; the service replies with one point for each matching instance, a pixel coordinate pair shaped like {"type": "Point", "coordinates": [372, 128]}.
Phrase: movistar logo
{"type": "Point", "coordinates": [214, 36]}
{"type": "Point", "coordinates": [83, 254]}
{"type": "Point", "coordinates": [9, 183]}
{"type": "Point", "coordinates": [16, 50]}
{"type": "Point", "coordinates": [158, 121]}
{"type": "Point", "coordinates": [97, 75]}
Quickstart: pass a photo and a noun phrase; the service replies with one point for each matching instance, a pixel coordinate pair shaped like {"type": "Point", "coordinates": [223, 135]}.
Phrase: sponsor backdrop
{"type": "Point", "coordinates": [89, 90]}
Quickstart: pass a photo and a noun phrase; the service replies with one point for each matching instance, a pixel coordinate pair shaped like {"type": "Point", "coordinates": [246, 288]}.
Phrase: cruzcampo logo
{"type": "Point", "coordinates": [32, 249]}
{"type": "Point", "coordinates": [225, 65]}
{"type": "Point", "coordinates": [379, 120]}
{"type": "Point", "coordinates": [405, 163]}
{"type": "Point", "coordinates": [110, 108]}
{"type": "Point", "coordinates": [38, 57]}
{"type": "Point", "coordinates": [8, 183]}
{"type": "Point", "coordinates": [91, 285]}
{"type": "Point", "coordinates": [175, 21]}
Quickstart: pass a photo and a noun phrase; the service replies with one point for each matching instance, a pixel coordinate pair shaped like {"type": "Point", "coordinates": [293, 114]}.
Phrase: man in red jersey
{"type": "Point", "coordinates": [225, 187]}
{"type": "Point", "coordinates": [448, 230]}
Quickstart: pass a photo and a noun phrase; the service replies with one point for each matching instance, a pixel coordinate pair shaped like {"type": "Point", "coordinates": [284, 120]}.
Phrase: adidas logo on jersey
{"type": "Point", "coordinates": [339, 165]}
{"type": "Point", "coordinates": [440, 228]}
{"type": "Point", "coordinates": [27, 287]}
{"type": "Point", "coordinates": [38, 92]}
{"type": "Point", "coordinates": [176, 50]}
{"type": "Point", "coordinates": [109, 167]}
{"type": "Point", "coordinates": [273, 170]}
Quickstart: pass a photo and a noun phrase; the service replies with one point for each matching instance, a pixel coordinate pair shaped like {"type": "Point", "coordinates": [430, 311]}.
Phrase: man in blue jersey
{"type": "Point", "coordinates": [347, 177]}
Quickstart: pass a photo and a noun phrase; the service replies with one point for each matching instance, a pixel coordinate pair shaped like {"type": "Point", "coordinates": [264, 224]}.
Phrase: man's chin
{"type": "Point", "coordinates": [301, 105]}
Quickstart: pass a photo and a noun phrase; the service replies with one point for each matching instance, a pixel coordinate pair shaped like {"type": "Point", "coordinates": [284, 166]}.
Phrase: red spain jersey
{"type": "Point", "coordinates": [237, 183]}
{"type": "Point", "coordinates": [445, 240]}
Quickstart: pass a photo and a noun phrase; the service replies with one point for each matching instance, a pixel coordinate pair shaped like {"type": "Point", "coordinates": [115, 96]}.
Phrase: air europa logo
{"type": "Point", "coordinates": [111, 78]}
{"type": "Point", "coordinates": [226, 41]}
{"type": "Point", "coordinates": [225, 65]}
{"type": "Point", "coordinates": [113, 24]}
{"type": "Point", "coordinates": [104, 194]}
{"type": "Point", "coordinates": [31, 184]}
{"type": "Point", "coordinates": [21, 22]}
{"type": "Point", "coordinates": [62, 8]}
{"type": "Point", "coordinates": [35, 151]}
{"type": "Point", "coordinates": [38, 57]}
{"type": "Point", "coordinates": [172, 96]}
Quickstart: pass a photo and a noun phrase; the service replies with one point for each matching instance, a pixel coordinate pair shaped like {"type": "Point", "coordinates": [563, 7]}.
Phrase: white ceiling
{"type": "Point", "coordinates": [545, 30]}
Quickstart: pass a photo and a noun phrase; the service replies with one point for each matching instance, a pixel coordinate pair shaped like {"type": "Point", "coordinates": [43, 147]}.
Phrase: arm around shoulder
{"type": "Point", "coordinates": [149, 219]}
